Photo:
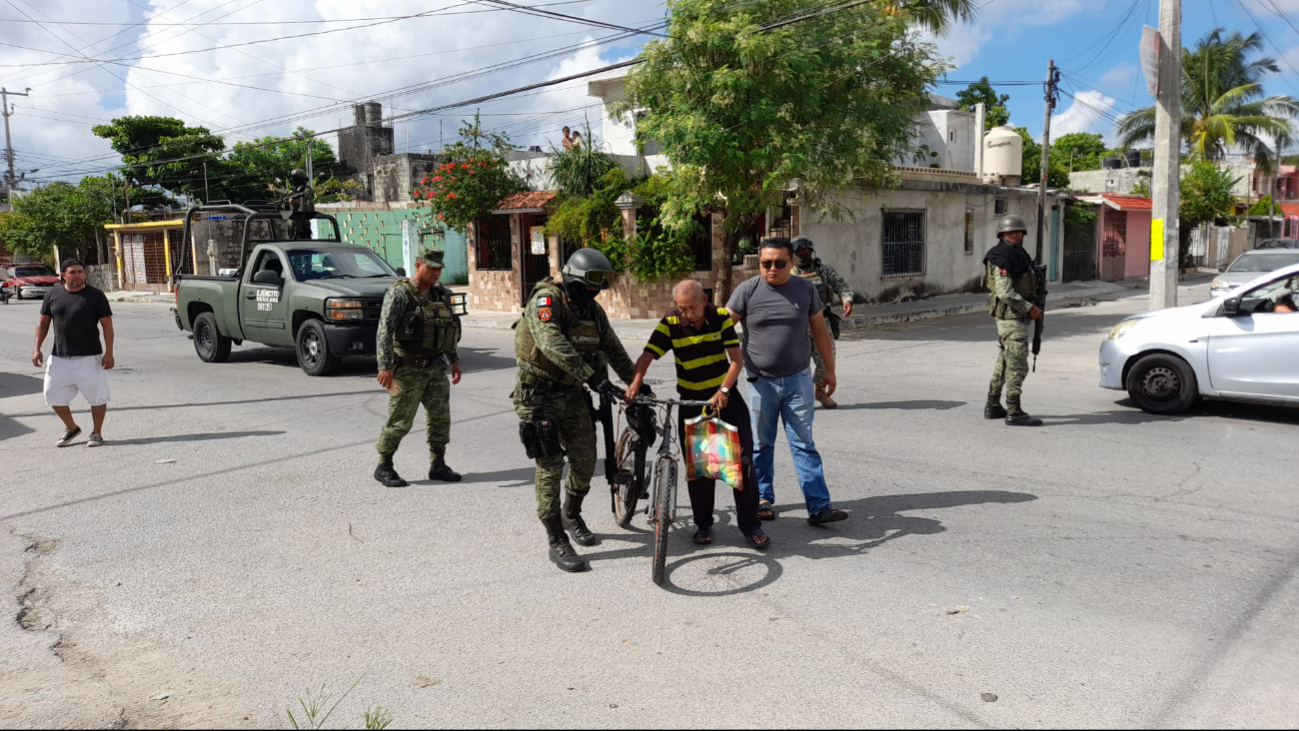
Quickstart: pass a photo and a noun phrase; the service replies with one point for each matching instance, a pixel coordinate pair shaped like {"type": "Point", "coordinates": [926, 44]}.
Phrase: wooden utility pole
{"type": "Point", "coordinates": [10, 181]}
{"type": "Point", "coordinates": [1165, 181]}
{"type": "Point", "coordinates": [1052, 78]}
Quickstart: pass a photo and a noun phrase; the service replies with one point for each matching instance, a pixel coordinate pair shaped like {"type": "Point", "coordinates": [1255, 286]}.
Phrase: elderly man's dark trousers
{"type": "Point", "coordinates": [703, 491]}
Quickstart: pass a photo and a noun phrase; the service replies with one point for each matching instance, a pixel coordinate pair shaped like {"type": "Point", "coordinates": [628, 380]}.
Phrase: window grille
{"type": "Point", "coordinates": [902, 244]}
{"type": "Point", "coordinates": [492, 243]}
{"type": "Point", "coordinates": [999, 206]}
{"type": "Point", "coordinates": [969, 230]}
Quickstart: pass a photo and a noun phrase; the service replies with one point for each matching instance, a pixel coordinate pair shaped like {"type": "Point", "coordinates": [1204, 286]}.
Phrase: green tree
{"type": "Point", "coordinates": [163, 152]}
{"type": "Point", "coordinates": [473, 180]}
{"type": "Point", "coordinates": [981, 92]}
{"type": "Point", "coordinates": [1223, 106]}
{"type": "Point", "coordinates": [577, 171]}
{"type": "Point", "coordinates": [743, 112]}
{"type": "Point", "coordinates": [1206, 197]}
{"type": "Point", "coordinates": [252, 166]}
{"type": "Point", "coordinates": [1081, 150]}
{"type": "Point", "coordinates": [1031, 158]}
{"type": "Point", "coordinates": [71, 217]}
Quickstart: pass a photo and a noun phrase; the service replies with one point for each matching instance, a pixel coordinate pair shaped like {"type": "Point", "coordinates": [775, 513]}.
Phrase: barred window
{"type": "Point", "coordinates": [969, 230]}
{"type": "Point", "coordinates": [902, 244]}
{"type": "Point", "coordinates": [492, 243]}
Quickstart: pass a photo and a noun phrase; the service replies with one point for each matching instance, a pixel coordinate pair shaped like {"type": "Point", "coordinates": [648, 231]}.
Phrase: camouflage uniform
{"type": "Point", "coordinates": [1009, 304]}
{"type": "Point", "coordinates": [559, 347]}
{"type": "Point", "coordinates": [832, 289]}
{"type": "Point", "coordinates": [419, 361]}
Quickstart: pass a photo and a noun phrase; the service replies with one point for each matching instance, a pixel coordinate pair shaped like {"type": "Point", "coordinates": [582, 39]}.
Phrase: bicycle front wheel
{"type": "Point", "coordinates": [665, 486]}
{"type": "Point", "coordinates": [629, 484]}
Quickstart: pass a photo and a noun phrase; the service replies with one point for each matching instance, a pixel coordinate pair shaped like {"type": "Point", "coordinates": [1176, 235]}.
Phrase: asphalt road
{"type": "Point", "coordinates": [227, 549]}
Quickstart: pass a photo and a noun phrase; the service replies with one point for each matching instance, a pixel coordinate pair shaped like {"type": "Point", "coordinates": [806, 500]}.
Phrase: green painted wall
{"type": "Point", "coordinates": [380, 231]}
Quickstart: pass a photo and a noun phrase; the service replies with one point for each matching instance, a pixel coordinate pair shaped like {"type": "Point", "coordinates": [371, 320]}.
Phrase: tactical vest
{"type": "Point", "coordinates": [427, 327]}
{"type": "Point", "coordinates": [813, 275]}
{"type": "Point", "coordinates": [1025, 285]}
{"type": "Point", "coordinates": [584, 334]}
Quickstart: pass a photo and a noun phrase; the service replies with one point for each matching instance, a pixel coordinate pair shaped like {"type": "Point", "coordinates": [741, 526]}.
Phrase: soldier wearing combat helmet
{"type": "Point", "coordinates": [563, 341]}
{"type": "Point", "coordinates": [418, 333]}
{"type": "Point", "coordinates": [1012, 282]}
{"type": "Point", "coordinates": [831, 288]}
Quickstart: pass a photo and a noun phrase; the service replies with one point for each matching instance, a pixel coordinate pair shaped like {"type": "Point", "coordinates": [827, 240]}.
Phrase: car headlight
{"type": "Point", "coordinates": [1121, 329]}
{"type": "Point", "coordinates": [1219, 284]}
{"type": "Point", "coordinates": [340, 310]}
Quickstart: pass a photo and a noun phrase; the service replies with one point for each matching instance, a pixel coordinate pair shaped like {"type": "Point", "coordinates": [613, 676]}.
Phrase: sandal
{"type": "Point", "coordinates": [759, 540]}
{"type": "Point", "coordinates": [765, 511]}
{"type": "Point", "coordinates": [703, 536]}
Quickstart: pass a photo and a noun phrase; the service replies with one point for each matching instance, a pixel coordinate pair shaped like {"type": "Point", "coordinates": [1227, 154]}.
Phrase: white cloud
{"type": "Point", "coordinates": [1003, 22]}
{"type": "Point", "coordinates": [1120, 77]}
{"type": "Point", "coordinates": [328, 73]}
{"type": "Point", "coordinates": [1086, 114]}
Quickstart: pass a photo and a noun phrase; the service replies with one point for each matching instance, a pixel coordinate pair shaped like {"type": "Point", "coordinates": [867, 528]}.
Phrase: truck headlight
{"type": "Point", "coordinates": [1121, 329]}
{"type": "Point", "coordinates": [343, 310]}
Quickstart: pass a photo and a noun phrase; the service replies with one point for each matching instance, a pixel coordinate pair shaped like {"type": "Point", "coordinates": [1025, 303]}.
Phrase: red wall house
{"type": "Point", "coordinates": [1122, 235]}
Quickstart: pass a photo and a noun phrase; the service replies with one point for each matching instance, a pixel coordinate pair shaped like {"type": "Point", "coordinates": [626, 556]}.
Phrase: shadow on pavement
{"type": "Point", "coordinates": [1204, 409]}
{"type": "Point", "coordinates": [20, 384]}
{"type": "Point", "coordinates": [518, 476]}
{"type": "Point", "coordinates": [191, 438]}
{"type": "Point", "coordinates": [112, 408]}
{"type": "Point", "coordinates": [10, 428]}
{"type": "Point", "coordinates": [1060, 323]}
{"type": "Point", "coordinates": [903, 405]}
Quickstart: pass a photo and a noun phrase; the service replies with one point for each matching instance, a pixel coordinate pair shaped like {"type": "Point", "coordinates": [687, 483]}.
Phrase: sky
{"type": "Point", "coordinates": [250, 68]}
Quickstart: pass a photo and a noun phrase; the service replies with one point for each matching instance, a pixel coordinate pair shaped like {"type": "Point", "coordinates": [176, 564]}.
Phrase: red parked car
{"type": "Point", "coordinates": [29, 280]}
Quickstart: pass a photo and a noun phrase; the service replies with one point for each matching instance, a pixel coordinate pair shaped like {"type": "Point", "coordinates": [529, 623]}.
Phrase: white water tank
{"type": "Point", "coordinates": [1003, 156]}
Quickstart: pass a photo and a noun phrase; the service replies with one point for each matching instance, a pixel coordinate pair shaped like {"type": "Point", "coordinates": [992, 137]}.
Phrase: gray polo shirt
{"type": "Point", "coordinates": [776, 344]}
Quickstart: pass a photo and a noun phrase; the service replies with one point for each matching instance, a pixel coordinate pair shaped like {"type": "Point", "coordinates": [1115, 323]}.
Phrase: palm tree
{"type": "Point", "coordinates": [1223, 106]}
{"type": "Point", "coordinates": [936, 16]}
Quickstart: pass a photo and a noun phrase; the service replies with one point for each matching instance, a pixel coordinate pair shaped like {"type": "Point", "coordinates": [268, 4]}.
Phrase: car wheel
{"type": "Point", "coordinates": [209, 343]}
{"type": "Point", "coordinates": [1162, 384]}
{"type": "Point", "coordinates": [313, 350]}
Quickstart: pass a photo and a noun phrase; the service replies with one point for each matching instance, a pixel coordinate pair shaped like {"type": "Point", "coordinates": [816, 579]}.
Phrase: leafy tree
{"type": "Point", "coordinates": [252, 166]}
{"type": "Point", "coordinates": [1223, 106]}
{"type": "Point", "coordinates": [68, 216]}
{"type": "Point", "coordinates": [743, 111]}
{"type": "Point", "coordinates": [1031, 158]}
{"type": "Point", "coordinates": [162, 151]}
{"type": "Point", "coordinates": [474, 179]}
{"type": "Point", "coordinates": [1081, 150]}
{"type": "Point", "coordinates": [1262, 207]}
{"type": "Point", "coordinates": [981, 92]}
{"type": "Point", "coordinates": [1206, 197]}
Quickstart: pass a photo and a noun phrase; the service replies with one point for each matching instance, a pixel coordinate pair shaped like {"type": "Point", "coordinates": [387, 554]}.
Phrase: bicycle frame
{"type": "Point", "coordinates": [666, 458]}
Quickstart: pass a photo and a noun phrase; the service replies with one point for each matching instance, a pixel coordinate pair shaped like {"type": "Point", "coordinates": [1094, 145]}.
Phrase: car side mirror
{"type": "Point", "coordinates": [267, 277]}
{"type": "Point", "coordinates": [401, 271]}
{"type": "Point", "coordinates": [1231, 306]}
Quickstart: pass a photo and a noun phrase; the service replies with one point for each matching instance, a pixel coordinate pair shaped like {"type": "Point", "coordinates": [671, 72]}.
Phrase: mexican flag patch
{"type": "Point", "coordinates": [543, 301]}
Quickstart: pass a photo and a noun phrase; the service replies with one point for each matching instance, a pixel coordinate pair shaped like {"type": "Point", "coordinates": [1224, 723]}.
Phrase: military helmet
{"type": "Point", "coordinates": [589, 267]}
{"type": "Point", "coordinates": [1011, 223]}
{"type": "Point", "coordinates": [298, 175]}
{"type": "Point", "coordinates": [803, 242]}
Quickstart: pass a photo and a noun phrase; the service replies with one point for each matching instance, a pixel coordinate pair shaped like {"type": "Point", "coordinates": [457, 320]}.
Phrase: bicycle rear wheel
{"type": "Point", "coordinates": [665, 485]}
{"type": "Point", "coordinates": [628, 485]}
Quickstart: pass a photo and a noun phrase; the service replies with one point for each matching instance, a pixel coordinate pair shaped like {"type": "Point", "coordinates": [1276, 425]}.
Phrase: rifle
{"type": "Point", "coordinates": [1039, 299]}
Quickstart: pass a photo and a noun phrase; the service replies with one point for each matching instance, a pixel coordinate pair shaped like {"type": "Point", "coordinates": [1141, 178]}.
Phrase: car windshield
{"type": "Point", "coordinates": [1264, 262]}
{"type": "Point", "coordinates": [1267, 297]}
{"type": "Point", "coordinates": [311, 264]}
{"type": "Point", "coordinates": [33, 272]}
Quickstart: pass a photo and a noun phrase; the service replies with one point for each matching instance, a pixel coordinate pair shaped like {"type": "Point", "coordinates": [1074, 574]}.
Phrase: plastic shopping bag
{"type": "Point", "coordinates": [713, 451]}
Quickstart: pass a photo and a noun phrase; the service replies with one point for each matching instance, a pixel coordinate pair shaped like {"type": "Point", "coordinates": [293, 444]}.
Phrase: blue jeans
{"type": "Point", "coordinates": [789, 399]}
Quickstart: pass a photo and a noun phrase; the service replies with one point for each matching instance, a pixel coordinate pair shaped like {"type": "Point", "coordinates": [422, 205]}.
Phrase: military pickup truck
{"type": "Point", "coordinates": [321, 297]}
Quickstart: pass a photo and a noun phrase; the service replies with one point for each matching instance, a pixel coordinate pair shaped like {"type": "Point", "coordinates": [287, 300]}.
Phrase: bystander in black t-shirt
{"type": "Point", "coordinates": [76, 319]}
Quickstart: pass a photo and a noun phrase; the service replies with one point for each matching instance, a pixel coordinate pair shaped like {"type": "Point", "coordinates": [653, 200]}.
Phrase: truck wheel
{"type": "Point", "coordinates": [1163, 384]}
{"type": "Point", "coordinates": [313, 350]}
{"type": "Point", "coordinates": [209, 343]}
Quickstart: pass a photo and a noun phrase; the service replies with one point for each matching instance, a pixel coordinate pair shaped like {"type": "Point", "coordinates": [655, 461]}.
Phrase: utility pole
{"type": "Point", "coordinates": [311, 179]}
{"type": "Point", "coordinates": [9, 145]}
{"type": "Point", "coordinates": [1052, 94]}
{"type": "Point", "coordinates": [207, 195]}
{"type": "Point", "coordinates": [1165, 182]}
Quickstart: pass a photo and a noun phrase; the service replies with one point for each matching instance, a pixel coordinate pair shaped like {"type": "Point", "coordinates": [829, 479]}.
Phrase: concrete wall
{"type": "Point", "coordinates": [1123, 180]}
{"type": "Point", "coordinates": [532, 166]}
{"type": "Point", "coordinates": [392, 177]}
{"type": "Point", "coordinates": [378, 226]}
{"type": "Point", "coordinates": [853, 247]}
{"type": "Point", "coordinates": [951, 138]}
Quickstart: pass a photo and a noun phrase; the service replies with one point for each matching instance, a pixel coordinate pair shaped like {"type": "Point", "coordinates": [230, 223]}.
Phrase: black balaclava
{"type": "Point", "coordinates": [579, 293]}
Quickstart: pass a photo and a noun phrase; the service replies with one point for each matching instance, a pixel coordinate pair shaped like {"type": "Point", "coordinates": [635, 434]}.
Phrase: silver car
{"type": "Point", "coordinates": [1249, 265]}
{"type": "Point", "coordinates": [1243, 346]}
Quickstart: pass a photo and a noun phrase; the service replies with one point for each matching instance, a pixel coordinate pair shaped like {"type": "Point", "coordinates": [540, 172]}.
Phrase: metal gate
{"type": "Point", "coordinates": [1079, 251]}
{"type": "Point", "coordinates": [1114, 246]}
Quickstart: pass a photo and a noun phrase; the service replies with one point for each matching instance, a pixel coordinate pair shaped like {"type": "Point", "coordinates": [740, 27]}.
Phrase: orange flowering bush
{"type": "Point", "coordinates": [472, 181]}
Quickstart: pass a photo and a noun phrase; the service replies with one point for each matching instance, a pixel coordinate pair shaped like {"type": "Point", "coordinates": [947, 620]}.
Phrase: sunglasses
{"type": "Point", "coordinates": [778, 263]}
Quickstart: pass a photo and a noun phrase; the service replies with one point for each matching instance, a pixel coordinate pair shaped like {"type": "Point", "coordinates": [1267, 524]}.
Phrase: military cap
{"type": "Point", "coordinates": [432, 258]}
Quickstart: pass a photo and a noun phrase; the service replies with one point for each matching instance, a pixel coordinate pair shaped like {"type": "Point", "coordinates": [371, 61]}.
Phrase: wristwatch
{"type": "Point", "coordinates": [725, 391]}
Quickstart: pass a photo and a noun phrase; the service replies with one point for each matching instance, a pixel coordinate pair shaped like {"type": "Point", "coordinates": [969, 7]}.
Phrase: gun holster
{"type": "Point", "coordinates": [540, 436]}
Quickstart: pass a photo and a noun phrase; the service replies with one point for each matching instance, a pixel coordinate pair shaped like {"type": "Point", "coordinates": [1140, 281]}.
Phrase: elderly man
{"type": "Point", "coordinates": [703, 340]}
{"type": "Point", "coordinates": [79, 363]}
{"type": "Point", "coordinates": [776, 310]}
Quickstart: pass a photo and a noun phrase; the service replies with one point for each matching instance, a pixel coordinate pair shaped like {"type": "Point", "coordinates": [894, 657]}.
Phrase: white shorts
{"type": "Point", "coordinates": [66, 377]}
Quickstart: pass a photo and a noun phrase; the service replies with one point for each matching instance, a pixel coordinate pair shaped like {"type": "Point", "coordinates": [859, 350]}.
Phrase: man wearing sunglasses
{"type": "Point", "coordinates": [776, 311]}
{"type": "Point", "coordinates": [564, 340]}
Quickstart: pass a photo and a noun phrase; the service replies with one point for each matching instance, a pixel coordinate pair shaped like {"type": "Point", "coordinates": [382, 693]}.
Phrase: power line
{"type": "Point", "coordinates": [185, 23]}
{"type": "Point", "coordinates": [533, 10]}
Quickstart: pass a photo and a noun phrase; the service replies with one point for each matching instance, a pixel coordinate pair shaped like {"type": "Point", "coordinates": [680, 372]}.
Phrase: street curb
{"type": "Point", "coordinates": [855, 322]}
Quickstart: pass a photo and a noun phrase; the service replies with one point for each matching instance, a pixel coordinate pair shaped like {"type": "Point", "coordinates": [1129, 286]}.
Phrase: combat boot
{"type": "Point", "coordinates": [561, 551]}
{"type": "Point", "coordinates": [571, 518]}
{"type": "Point", "coordinates": [387, 474]}
{"type": "Point", "coordinates": [993, 409]}
{"type": "Point", "coordinates": [825, 400]}
{"type": "Point", "coordinates": [1016, 416]}
{"type": "Point", "coordinates": [440, 471]}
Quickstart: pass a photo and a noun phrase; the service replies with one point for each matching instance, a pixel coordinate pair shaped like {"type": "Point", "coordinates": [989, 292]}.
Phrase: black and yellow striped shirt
{"type": "Point", "coordinates": [700, 352]}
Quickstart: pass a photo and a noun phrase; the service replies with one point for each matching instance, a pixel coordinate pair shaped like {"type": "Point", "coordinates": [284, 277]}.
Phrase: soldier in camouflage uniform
{"type": "Point", "coordinates": [1012, 282]}
{"type": "Point", "coordinates": [562, 341]}
{"type": "Point", "coordinates": [418, 332]}
{"type": "Point", "coordinates": [831, 288]}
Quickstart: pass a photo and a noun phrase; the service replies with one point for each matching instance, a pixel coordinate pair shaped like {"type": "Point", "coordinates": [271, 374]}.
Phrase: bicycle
{"type": "Point", "coordinates": [628, 481]}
